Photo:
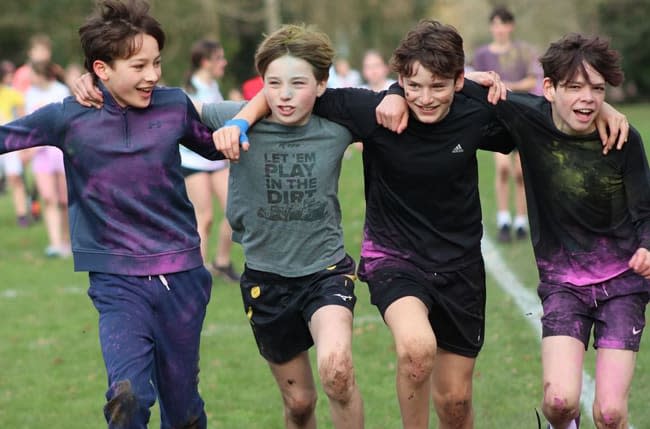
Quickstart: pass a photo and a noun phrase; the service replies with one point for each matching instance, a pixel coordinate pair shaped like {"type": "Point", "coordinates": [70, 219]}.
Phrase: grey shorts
{"type": "Point", "coordinates": [615, 309]}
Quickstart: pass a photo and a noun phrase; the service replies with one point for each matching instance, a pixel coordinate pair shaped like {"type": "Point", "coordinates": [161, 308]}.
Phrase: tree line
{"type": "Point", "coordinates": [353, 25]}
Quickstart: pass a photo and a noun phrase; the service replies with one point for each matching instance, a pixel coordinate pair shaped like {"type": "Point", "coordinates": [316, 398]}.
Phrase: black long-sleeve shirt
{"type": "Point", "coordinates": [588, 212]}
{"type": "Point", "coordinates": [421, 186]}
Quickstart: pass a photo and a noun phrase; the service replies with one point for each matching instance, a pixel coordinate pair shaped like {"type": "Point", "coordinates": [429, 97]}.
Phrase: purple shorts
{"type": "Point", "coordinates": [615, 309]}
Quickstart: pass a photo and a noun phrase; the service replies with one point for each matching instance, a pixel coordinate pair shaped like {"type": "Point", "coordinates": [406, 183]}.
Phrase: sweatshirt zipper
{"type": "Point", "coordinates": [127, 138]}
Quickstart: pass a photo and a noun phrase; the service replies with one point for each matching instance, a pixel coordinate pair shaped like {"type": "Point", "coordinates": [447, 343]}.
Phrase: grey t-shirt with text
{"type": "Point", "coordinates": [282, 199]}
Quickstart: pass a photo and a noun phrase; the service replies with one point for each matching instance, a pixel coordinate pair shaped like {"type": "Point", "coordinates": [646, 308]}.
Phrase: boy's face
{"type": "Point", "coordinates": [429, 97]}
{"type": "Point", "coordinates": [291, 89]}
{"type": "Point", "coordinates": [131, 80]}
{"type": "Point", "coordinates": [576, 102]}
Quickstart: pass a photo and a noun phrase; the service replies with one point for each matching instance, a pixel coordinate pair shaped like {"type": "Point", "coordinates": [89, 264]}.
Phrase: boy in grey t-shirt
{"type": "Point", "coordinates": [298, 283]}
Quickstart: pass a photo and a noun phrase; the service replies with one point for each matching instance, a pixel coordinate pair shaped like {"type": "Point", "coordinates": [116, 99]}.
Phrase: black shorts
{"type": "Point", "coordinates": [455, 300]}
{"type": "Point", "coordinates": [280, 308]}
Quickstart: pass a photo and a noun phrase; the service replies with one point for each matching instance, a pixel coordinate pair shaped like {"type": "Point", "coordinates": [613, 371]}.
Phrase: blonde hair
{"type": "Point", "coordinates": [298, 41]}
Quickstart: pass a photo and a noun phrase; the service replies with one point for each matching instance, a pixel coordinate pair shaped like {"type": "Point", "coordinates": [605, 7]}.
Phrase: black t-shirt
{"type": "Point", "coordinates": [421, 186]}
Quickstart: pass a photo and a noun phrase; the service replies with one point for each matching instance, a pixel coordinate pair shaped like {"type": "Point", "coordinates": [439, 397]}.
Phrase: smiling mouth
{"type": "Point", "coordinates": [583, 113]}
{"type": "Point", "coordinates": [286, 110]}
{"type": "Point", "coordinates": [427, 109]}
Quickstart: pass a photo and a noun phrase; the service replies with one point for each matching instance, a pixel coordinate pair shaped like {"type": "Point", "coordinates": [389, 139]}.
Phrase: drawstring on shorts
{"type": "Point", "coordinates": [163, 280]}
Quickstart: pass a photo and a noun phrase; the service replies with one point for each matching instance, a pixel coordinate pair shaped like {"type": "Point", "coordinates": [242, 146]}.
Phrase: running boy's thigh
{"type": "Point", "coordinates": [331, 329]}
{"type": "Point", "coordinates": [614, 374]}
{"type": "Point", "coordinates": [457, 314]}
{"type": "Point", "coordinates": [398, 290]}
{"type": "Point", "coordinates": [567, 311]}
{"type": "Point", "coordinates": [180, 313]}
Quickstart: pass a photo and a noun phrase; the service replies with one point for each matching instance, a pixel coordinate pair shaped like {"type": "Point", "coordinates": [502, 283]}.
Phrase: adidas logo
{"type": "Point", "coordinates": [458, 149]}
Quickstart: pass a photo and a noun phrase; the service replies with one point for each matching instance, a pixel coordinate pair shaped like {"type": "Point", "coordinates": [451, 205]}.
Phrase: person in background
{"type": "Point", "coordinates": [235, 94]}
{"type": "Point", "coordinates": [47, 162]}
{"type": "Point", "coordinates": [39, 51]}
{"type": "Point", "coordinates": [206, 180]}
{"type": "Point", "coordinates": [12, 106]}
{"type": "Point", "coordinates": [375, 71]}
{"type": "Point", "coordinates": [72, 72]}
{"type": "Point", "coordinates": [342, 75]}
{"type": "Point", "coordinates": [517, 64]}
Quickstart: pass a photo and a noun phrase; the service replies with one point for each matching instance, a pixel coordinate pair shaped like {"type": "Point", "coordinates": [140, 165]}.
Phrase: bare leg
{"type": "Point", "coordinates": [562, 360]}
{"type": "Point", "coordinates": [452, 390]}
{"type": "Point", "coordinates": [415, 344]}
{"type": "Point", "coordinates": [47, 189]}
{"type": "Point", "coordinates": [219, 181]}
{"type": "Point", "coordinates": [198, 191]}
{"type": "Point", "coordinates": [503, 171]}
{"type": "Point", "coordinates": [18, 194]}
{"type": "Point", "coordinates": [614, 371]}
{"type": "Point", "coordinates": [296, 383]}
{"type": "Point", "coordinates": [331, 328]}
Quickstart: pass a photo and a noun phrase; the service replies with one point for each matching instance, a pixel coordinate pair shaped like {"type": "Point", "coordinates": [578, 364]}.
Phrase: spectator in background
{"type": "Point", "coordinates": [12, 106]}
{"type": "Point", "coordinates": [204, 178]}
{"type": "Point", "coordinates": [72, 72]}
{"type": "Point", "coordinates": [39, 51]}
{"type": "Point", "coordinates": [47, 161]}
{"type": "Point", "coordinates": [375, 71]}
{"type": "Point", "coordinates": [517, 64]}
{"type": "Point", "coordinates": [342, 75]}
{"type": "Point", "coordinates": [235, 94]}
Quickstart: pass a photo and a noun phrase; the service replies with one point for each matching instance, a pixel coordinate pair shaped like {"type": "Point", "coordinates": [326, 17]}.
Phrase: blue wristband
{"type": "Point", "coordinates": [243, 127]}
{"type": "Point", "coordinates": [241, 123]}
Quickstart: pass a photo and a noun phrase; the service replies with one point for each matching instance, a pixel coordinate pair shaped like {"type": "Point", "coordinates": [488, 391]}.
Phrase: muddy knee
{"type": "Point", "coordinates": [416, 363]}
{"type": "Point", "coordinates": [337, 377]}
{"type": "Point", "coordinates": [454, 410]}
{"type": "Point", "coordinates": [609, 417]}
{"type": "Point", "coordinates": [300, 408]}
{"type": "Point", "coordinates": [559, 408]}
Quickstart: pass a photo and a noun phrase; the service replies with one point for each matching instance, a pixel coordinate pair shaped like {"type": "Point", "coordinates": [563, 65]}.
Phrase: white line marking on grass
{"type": "Point", "coordinates": [528, 302]}
{"type": "Point", "coordinates": [9, 293]}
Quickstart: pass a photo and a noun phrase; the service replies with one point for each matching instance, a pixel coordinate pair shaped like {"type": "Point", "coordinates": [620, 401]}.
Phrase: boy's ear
{"type": "Point", "coordinates": [321, 87]}
{"type": "Point", "coordinates": [459, 82]}
{"type": "Point", "coordinates": [101, 69]}
{"type": "Point", "coordinates": [549, 89]}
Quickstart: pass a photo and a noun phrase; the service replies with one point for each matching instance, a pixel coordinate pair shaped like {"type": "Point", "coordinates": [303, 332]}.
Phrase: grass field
{"type": "Point", "coordinates": [52, 374]}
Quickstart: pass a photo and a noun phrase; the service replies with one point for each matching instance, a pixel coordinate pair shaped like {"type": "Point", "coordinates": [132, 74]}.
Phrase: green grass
{"type": "Point", "coordinates": [52, 374]}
